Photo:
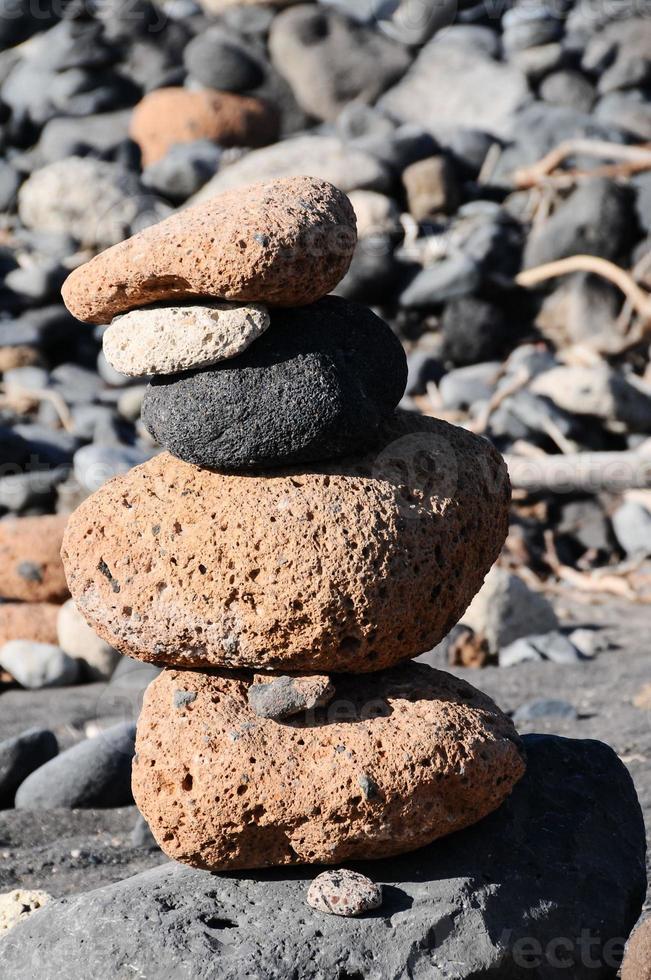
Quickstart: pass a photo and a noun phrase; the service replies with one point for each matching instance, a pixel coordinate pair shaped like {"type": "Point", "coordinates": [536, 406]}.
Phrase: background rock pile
{"type": "Point", "coordinates": [497, 162]}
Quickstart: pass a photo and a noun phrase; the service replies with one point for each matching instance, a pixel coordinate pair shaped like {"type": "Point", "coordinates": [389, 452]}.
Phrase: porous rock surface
{"type": "Point", "coordinates": [30, 561]}
{"type": "Point", "coordinates": [467, 905]}
{"type": "Point", "coordinates": [317, 385]}
{"type": "Point", "coordinates": [354, 565]}
{"type": "Point", "coordinates": [284, 242]}
{"type": "Point", "coordinates": [28, 621]}
{"type": "Point", "coordinates": [398, 759]}
{"type": "Point", "coordinates": [165, 339]}
{"type": "Point", "coordinates": [637, 961]}
{"type": "Point", "coordinates": [168, 116]}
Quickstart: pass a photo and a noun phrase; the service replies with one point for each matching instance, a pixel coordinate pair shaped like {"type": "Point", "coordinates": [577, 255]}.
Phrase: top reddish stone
{"type": "Point", "coordinates": [284, 242]}
{"type": "Point", "coordinates": [168, 116]}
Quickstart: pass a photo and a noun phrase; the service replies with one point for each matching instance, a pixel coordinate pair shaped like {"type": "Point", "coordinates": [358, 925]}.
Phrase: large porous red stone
{"type": "Point", "coordinates": [30, 560]}
{"type": "Point", "coordinates": [283, 242]}
{"type": "Point", "coordinates": [167, 116]}
{"type": "Point", "coordinates": [396, 760]}
{"type": "Point", "coordinates": [350, 566]}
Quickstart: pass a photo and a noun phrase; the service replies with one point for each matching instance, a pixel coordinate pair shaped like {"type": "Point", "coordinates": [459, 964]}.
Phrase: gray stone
{"type": "Point", "coordinates": [141, 835]}
{"type": "Point", "coordinates": [94, 465]}
{"type": "Point", "coordinates": [632, 526]}
{"type": "Point", "coordinates": [568, 88]}
{"type": "Point", "coordinates": [67, 137]}
{"type": "Point", "coordinates": [489, 902]}
{"type": "Point", "coordinates": [464, 386]}
{"type": "Point", "coordinates": [220, 59]}
{"type": "Point", "coordinates": [344, 367]}
{"type": "Point", "coordinates": [21, 755]}
{"type": "Point", "coordinates": [596, 219]}
{"type": "Point", "coordinates": [33, 489]}
{"type": "Point", "coordinates": [453, 276]}
{"type": "Point", "coordinates": [505, 609]}
{"type": "Point", "coordinates": [35, 665]}
{"type": "Point", "coordinates": [9, 184]}
{"type": "Point", "coordinates": [327, 157]}
{"type": "Point", "coordinates": [531, 711]}
{"type": "Point", "coordinates": [620, 54]}
{"type": "Point", "coordinates": [184, 169]}
{"type": "Point", "coordinates": [285, 696]}
{"type": "Point", "coordinates": [93, 773]}
{"type": "Point", "coordinates": [597, 391]}
{"type": "Point", "coordinates": [630, 110]}
{"type": "Point", "coordinates": [404, 20]}
{"type": "Point", "coordinates": [552, 646]}
{"type": "Point", "coordinates": [329, 60]}
{"type": "Point", "coordinates": [469, 86]}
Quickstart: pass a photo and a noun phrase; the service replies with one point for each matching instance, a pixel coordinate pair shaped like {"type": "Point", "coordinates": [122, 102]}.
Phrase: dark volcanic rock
{"type": "Point", "coordinates": [93, 773]}
{"type": "Point", "coordinates": [563, 857]}
{"type": "Point", "coordinates": [316, 385]}
{"type": "Point", "coordinates": [20, 756]}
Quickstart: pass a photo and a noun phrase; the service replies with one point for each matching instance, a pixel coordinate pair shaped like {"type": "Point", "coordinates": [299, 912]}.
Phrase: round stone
{"type": "Point", "coordinates": [28, 621]}
{"type": "Point", "coordinates": [36, 665]}
{"type": "Point", "coordinates": [284, 242]}
{"type": "Point", "coordinates": [165, 339]}
{"type": "Point", "coordinates": [344, 892]}
{"type": "Point", "coordinates": [349, 566]}
{"type": "Point", "coordinates": [396, 760]}
{"type": "Point", "coordinates": [167, 116]}
{"type": "Point", "coordinates": [30, 561]}
{"type": "Point", "coordinates": [317, 385]}
{"type": "Point", "coordinates": [76, 638]}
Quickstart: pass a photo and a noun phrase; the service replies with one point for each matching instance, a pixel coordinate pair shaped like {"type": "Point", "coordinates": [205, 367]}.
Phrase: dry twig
{"type": "Point", "coordinates": [633, 159]}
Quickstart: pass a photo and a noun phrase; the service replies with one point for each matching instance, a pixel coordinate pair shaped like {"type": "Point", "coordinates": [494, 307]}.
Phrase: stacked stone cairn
{"type": "Point", "coordinates": [296, 545]}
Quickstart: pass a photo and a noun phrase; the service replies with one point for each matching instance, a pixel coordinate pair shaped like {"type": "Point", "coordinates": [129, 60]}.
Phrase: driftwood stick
{"type": "Point", "coordinates": [581, 472]}
{"type": "Point", "coordinates": [633, 158]}
{"type": "Point", "coordinates": [639, 299]}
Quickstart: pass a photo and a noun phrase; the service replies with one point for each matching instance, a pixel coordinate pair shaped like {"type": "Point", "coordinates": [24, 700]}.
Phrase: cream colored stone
{"type": "Point", "coordinates": [167, 339]}
{"type": "Point", "coordinates": [17, 905]}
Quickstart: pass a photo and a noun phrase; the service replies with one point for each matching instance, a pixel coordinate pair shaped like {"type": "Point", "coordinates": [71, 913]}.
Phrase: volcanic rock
{"type": "Point", "coordinates": [349, 566]}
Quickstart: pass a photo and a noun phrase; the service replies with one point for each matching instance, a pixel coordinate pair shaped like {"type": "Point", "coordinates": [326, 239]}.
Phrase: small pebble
{"type": "Point", "coordinates": [285, 696]}
{"type": "Point", "coordinates": [345, 893]}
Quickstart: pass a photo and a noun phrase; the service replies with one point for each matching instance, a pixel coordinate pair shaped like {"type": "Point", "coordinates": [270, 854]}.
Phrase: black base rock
{"type": "Point", "coordinates": [546, 888]}
{"type": "Point", "coordinates": [318, 384]}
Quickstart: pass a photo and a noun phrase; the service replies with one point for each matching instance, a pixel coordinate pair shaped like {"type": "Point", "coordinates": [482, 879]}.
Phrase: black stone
{"type": "Point", "coordinates": [20, 756]}
{"type": "Point", "coordinates": [546, 888]}
{"type": "Point", "coordinates": [317, 385]}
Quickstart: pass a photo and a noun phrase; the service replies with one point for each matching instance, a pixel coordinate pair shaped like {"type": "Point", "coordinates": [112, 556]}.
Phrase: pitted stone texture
{"type": "Point", "coordinates": [284, 242]}
{"type": "Point", "coordinates": [97, 201]}
{"type": "Point", "coordinates": [30, 560]}
{"type": "Point", "coordinates": [28, 621]}
{"type": "Point", "coordinates": [168, 116]}
{"type": "Point", "coordinates": [346, 893]}
{"type": "Point", "coordinates": [351, 566]}
{"type": "Point", "coordinates": [318, 385]}
{"type": "Point", "coordinates": [637, 961]}
{"type": "Point", "coordinates": [18, 905]}
{"type": "Point", "coordinates": [271, 696]}
{"type": "Point", "coordinates": [395, 761]}
{"type": "Point", "coordinates": [165, 339]}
